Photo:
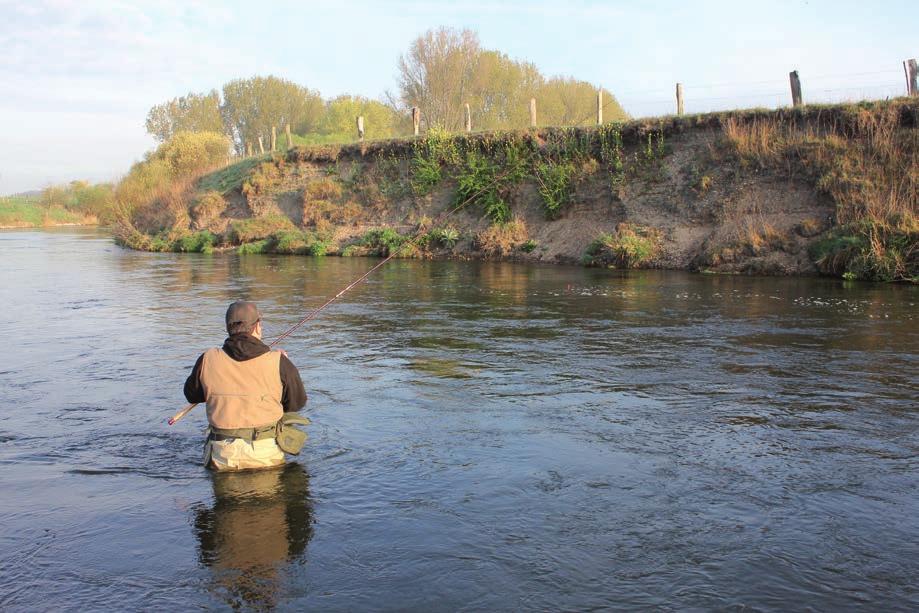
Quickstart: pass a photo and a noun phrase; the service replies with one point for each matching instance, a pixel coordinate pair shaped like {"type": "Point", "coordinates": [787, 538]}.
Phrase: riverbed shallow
{"type": "Point", "coordinates": [485, 436]}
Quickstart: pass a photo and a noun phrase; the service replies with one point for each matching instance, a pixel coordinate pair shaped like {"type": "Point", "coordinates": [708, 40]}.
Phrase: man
{"type": "Point", "coordinates": [248, 388]}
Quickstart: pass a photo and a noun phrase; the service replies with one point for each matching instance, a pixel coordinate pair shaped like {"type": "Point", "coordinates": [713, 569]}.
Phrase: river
{"type": "Point", "coordinates": [486, 436]}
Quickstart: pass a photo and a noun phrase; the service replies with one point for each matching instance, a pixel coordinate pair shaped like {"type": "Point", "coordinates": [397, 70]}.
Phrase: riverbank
{"type": "Point", "coordinates": [828, 189]}
{"type": "Point", "coordinates": [28, 211]}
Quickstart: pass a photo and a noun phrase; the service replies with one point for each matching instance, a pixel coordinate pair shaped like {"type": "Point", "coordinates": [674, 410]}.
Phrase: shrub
{"type": "Point", "coordinates": [187, 153]}
{"type": "Point", "coordinates": [554, 180]}
{"type": "Point", "coordinates": [478, 183]}
{"type": "Point", "coordinates": [630, 247]}
{"type": "Point", "coordinates": [383, 242]}
{"type": "Point", "coordinates": [445, 237]}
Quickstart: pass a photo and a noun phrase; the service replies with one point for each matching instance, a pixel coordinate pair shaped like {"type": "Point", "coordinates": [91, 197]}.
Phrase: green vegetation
{"type": "Point", "coordinates": [231, 177]}
{"type": "Point", "coordinates": [442, 71]}
{"type": "Point", "coordinates": [258, 228]}
{"type": "Point", "coordinates": [383, 242]}
{"type": "Point", "coordinates": [871, 250]}
{"type": "Point", "coordinates": [430, 155]}
{"type": "Point", "coordinates": [78, 202]}
{"type": "Point", "coordinates": [554, 181]}
{"type": "Point", "coordinates": [629, 247]}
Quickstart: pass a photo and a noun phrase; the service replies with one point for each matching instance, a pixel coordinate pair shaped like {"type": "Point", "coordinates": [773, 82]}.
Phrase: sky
{"type": "Point", "coordinates": [78, 78]}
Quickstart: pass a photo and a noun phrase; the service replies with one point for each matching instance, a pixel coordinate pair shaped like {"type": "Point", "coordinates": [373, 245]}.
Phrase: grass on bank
{"type": "Point", "coordinates": [864, 156]}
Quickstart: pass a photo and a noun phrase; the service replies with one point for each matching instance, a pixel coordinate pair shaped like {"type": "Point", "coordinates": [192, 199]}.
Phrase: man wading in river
{"type": "Point", "coordinates": [251, 393]}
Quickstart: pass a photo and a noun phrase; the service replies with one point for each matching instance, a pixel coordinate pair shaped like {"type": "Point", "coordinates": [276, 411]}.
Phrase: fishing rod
{"type": "Point", "coordinates": [312, 314]}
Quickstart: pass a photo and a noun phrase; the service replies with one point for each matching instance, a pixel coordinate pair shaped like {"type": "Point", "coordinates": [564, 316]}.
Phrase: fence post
{"type": "Point", "coordinates": [290, 141]}
{"type": "Point", "coordinates": [911, 68]}
{"type": "Point", "coordinates": [360, 128]}
{"type": "Point", "coordinates": [795, 88]}
{"type": "Point", "coordinates": [679, 98]}
{"type": "Point", "coordinates": [416, 119]}
{"type": "Point", "coordinates": [532, 112]}
{"type": "Point", "coordinates": [468, 118]}
{"type": "Point", "coordinates": [600, 106]}
{"type": "Point", "coordinates": [274, 138]}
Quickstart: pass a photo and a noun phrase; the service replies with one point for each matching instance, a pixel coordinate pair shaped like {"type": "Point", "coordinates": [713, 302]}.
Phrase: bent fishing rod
{"type": "Point", "coordinates": [393, 252]}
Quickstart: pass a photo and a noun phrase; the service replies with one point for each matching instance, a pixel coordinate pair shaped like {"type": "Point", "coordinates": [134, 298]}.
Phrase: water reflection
{"type": "Point", "coordinates": [260, 522]}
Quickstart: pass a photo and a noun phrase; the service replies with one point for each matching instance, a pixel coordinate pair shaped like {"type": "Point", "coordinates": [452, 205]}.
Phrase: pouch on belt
{"type": "Point", "coordinates": [289, 438]}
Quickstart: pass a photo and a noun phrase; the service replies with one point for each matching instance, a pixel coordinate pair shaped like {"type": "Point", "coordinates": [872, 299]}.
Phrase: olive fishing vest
{"type": "Point", "coordinates": [243, 394]}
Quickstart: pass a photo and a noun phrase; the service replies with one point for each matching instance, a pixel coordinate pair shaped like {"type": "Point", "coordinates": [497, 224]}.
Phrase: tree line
{"type": "Point", "coordinates": [443, 70]}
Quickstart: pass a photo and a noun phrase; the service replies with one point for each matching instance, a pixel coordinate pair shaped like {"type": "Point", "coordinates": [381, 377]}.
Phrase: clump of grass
{"type": "Point", "coordinates": [231, 177]}
{"type": "Point", "coordinates": [528, 246]}
{"type": "Point", "coordinates": [631, 246]}
{"type": "Point", "coordinates": [501, 238]}
{"type": "Point", "coordinates": [197, 242]}
{"type": "Point", "coordinates": [257, 228]}
{"type": "Point", "coordinates": [254, 247]}
{"type": "Point", "coordinates": [382, 242]}
{"type": "Point", "coordinates": [554, 180]}
{"type": "Point", "coordinates": [265, 176]}
{"type": "Point", "coordinates": [207, 207]}
{"type": "Point", "coordinates": [445, 237]}
{"type": "Point", "coordinates": [298, 242]}
{"type": "Point", "coordinates": [322, 189]}
{"type": "Point", "coordinates": [872, 250]}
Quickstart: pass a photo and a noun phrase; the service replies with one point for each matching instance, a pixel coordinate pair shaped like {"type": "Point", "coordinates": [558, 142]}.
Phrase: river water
{"type": "Point", "coordinates": [485, 436]}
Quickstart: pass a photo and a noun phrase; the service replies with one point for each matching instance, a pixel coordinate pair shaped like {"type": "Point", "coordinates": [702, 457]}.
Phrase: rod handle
{"type": "Point", "coordinates": [181, 413]}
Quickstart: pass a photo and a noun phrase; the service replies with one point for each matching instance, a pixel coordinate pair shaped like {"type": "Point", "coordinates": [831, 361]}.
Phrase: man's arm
{"type": "Point", "coordinates": [194, 391]}
{"type": "Point", "coordinates": [293, 396]}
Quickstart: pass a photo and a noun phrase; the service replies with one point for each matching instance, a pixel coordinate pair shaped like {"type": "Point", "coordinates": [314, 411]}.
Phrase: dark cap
{"type": "Point", "coordinates": [242, 312]}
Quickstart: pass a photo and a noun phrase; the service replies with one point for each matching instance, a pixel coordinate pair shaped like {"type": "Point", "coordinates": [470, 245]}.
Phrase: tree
{"type": "Point", "coordinates": [251, 107]}
{"type": "Point", "coordinates": [437, 73]}
{"type": "Point", "coordinates": [445, 69]}
{"type": "Point", "coordinates": [341, 113]}
{"type": "Point", "coordinates": [563, 101]}
{"type": "Point", "coordinates": [194, 112]}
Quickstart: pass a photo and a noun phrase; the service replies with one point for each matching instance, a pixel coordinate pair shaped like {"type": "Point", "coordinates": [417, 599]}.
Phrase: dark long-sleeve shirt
{"type": "Point", "coordinates": [242, 347]}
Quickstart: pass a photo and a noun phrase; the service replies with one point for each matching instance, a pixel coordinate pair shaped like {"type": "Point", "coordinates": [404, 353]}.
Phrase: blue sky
{"type": "Point", "coordinates": [78, 78]}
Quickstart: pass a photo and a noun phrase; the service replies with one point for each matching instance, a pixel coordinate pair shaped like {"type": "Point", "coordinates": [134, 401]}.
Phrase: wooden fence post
{"type": "Point", "coordinates": [532, 112]}
{"type": "Point", "coordinates": [360, 128]}
{"type": "Point", "coordinates": [274, 138]}
{"type": "Point", "coordinates": [796, 99]}
{"type": "Point", "coordinates": [290, 141]}
{"type": "Point", "coordinates": [261, 145]}
{"type": "Point", "coordinates": [468, 118]}
{"type": "Point", "coordinates": [416, 119]}
{"type": "Point", "coordinates": [679, 98]}
{"type": "Point", "coordinates": [600, 106]}
{"type": "Point", "coordinates": [911, 68]}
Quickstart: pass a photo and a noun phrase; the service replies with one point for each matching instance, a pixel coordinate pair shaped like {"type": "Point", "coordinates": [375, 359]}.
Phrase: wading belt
{"type": "Point", "coordinates": [246, 434]}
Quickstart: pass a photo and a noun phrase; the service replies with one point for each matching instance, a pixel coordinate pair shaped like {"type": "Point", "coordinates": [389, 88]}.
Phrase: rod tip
{"type": "Point", "coordinates": [171, 421]}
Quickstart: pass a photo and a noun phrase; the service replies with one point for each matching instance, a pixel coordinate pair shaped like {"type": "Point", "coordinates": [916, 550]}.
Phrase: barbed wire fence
{"type": "Point", "coordinates": [689, 98]}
